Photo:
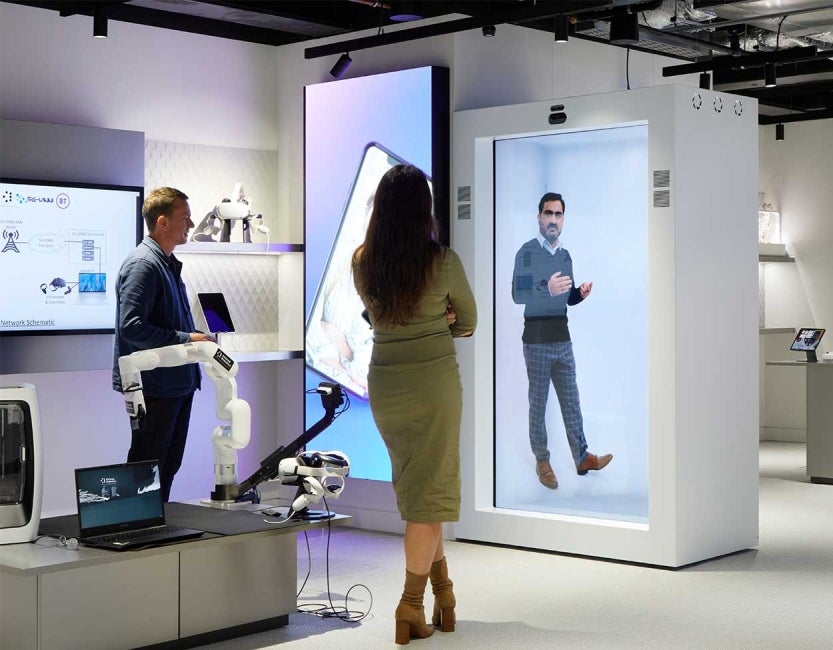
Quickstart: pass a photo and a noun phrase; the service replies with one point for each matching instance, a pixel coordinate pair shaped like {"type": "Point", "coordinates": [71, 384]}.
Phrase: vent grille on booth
{"type": "Point", "coordinates": [464, 202]}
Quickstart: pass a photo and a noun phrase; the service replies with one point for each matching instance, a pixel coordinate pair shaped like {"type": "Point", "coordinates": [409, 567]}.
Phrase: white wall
{"type": "Point", "coordinates": [176, 87]}
{"type": "Point", "coordinates": [794, 177]}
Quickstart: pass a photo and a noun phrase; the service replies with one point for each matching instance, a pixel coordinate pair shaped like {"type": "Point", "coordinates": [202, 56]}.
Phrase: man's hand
{"type": "Point", "coordinates": [201, 336]}
{"type": "Point", "coordinates": [559, 284]}
{"type": "Point", "coordinates": [585, 289]}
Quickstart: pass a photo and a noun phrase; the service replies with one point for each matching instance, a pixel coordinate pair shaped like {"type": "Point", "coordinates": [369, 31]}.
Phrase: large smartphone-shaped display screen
{"type": "Point", "coordinates": [553, 399]}
{"type": "Point", "coordinates": [381, 121]}
{"type": "Point", "coordinates": [338, 338]}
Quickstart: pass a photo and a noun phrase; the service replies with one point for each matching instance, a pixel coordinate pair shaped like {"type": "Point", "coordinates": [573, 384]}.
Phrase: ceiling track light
{"type": "Point", "coordinates": [562, 29]}
{"type": "Point", "coordinates": [341, 66]}
{"type": "Point", "coordinates": [779, 131]}
{"type": "Point", "coordinates": [100, 23]}
{"type": "Point", "coordinates": [705, 81]}
{"type": "Point", "coordinates": [769, 76]}
{"type": "Point", "coordinates": [624, 29]}
{"type": "Point", "coordinates": [488, 30]}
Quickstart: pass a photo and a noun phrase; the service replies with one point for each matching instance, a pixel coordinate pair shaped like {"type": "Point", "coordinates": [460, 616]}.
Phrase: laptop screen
{"type": "Point", "coordinates": [115, 498]}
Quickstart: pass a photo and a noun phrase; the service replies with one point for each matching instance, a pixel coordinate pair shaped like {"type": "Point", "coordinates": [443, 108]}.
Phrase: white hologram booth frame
{"type": "Point", "coordinates": [702, 320]}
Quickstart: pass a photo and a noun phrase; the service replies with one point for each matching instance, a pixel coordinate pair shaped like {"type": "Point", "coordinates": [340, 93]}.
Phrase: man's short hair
{"type": "Point", "coordinates": [551, 196]}
{"type": "Point", "coordinates": [160, 201]}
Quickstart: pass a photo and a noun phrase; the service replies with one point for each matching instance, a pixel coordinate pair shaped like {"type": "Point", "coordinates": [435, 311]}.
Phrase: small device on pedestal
{"type": "Point", "coordinates": [21, 479]}
{"type": "Point", "coordinates": [807, 340]}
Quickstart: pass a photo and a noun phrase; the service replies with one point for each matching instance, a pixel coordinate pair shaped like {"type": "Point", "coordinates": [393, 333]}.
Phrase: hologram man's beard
{"type": "Point", "coordinates": [551, 234]}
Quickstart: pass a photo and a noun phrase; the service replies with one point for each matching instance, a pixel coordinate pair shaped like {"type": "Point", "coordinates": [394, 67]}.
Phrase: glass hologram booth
{"type": "Point", "coordinates": [660, 213]}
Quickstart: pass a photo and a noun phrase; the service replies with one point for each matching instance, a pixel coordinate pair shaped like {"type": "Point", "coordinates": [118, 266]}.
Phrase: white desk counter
{"type": "Point", "coordinates": [238, 579]}
{"type": "Point", "coordinates": [819, 418]}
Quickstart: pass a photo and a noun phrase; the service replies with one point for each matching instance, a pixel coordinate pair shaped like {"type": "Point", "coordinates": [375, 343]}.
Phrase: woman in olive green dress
{"type": "Point", "coordinates": [418, 298]}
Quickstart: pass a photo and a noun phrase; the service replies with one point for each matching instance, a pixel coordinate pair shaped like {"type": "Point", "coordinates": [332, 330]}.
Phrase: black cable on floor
{"type": "Point", "coordinates": [322, 609]}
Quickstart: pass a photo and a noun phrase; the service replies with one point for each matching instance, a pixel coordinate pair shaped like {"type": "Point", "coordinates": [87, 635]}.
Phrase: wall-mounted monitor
{"type": "Point", "coordinates": [61, 249]}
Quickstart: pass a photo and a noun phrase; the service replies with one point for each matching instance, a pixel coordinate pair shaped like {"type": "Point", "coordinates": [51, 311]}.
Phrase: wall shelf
{"type": "Point", "coordinates": [244, 356]}
{"type": "Point", "coordinates": [776, 330]}
{"type": "Point", "coordinates": [263, 285]}
{"type": "Point", "coordinates": [775, 258]}
{"type": "Point", "coordinates": [250, 248]}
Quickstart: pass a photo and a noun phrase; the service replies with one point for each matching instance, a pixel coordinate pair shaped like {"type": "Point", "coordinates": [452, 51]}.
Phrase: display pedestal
{"type": "Point", "coordinates": [819, 418]}
{"type": "Point", "coordinates": [239, 579]}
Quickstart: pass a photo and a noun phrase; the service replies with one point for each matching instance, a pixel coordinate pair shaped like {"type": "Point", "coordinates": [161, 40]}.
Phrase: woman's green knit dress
{"type": "Point", "coordinates": [416, 396]}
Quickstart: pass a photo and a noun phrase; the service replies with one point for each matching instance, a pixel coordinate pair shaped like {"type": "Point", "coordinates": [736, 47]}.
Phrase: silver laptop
{"type": "Point", "coordinates": [120, 507]}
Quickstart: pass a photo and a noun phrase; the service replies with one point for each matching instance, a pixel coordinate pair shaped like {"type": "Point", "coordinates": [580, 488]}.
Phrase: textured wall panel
{"type": "Point", "coordinates": [208, 174]}
{"type": "Point", "coordinates": [250, 286]}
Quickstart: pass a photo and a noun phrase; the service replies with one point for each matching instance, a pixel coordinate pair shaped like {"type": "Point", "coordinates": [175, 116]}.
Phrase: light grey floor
{"type": "Point", "coordinates": [779, 595]}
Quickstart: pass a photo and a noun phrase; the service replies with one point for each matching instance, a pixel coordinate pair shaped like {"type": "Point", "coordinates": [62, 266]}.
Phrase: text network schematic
{"type": "Point", "coordinates": [61, 249]}
{"type": "Point", "coordinates": [82, 267]}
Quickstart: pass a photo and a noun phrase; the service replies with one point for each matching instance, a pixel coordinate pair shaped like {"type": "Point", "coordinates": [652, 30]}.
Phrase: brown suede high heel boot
{"type": "Point", "coordinates": [444, 601]}
{"type": "Point", "coordinates": [410, 613]}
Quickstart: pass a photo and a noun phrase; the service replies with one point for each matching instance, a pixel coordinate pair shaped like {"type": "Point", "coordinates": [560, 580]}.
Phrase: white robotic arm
{"type": "Point", "coordinates": [221, 368]}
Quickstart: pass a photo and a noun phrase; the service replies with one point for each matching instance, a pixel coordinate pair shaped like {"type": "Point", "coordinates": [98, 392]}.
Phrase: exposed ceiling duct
{"type": "Point", "coordinates": [735, 40]}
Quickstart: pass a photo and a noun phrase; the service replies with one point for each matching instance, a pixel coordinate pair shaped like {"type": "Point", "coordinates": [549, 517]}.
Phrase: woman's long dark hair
{"type": "Point", "coordinates": [393, 264]}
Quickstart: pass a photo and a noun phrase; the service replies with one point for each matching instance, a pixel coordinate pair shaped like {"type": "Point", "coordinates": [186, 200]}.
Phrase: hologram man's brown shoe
{"type": "Point", "coordinates": [593, 462]}
{"type": "Point", "coordinates": [546, 475]}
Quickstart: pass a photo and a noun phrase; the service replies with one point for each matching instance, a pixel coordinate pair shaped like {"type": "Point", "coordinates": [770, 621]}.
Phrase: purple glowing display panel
{"type": "Point", "coordinates": [354, 131]}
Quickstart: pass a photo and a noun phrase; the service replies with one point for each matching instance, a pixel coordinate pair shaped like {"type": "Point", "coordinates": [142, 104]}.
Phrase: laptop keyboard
{"type": "Point", "coordinates": [126, 536]}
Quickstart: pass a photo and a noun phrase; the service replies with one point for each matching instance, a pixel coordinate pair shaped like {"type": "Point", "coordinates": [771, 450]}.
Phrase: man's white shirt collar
{"type": "Point", "coordinates": [546, 245]}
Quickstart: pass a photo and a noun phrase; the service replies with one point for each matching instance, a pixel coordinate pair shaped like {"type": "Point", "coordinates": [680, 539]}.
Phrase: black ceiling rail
{"type": "Point", "coordinates": [199, 25]}
{"type": "Point", "coordinates": [755, 59]}
{"type": "Point", "coordinates": [339, 16]}
{"type": "Point", "coordinates": [788, 90]}
{"type": "Point", "coordinates": [127, 13]}
{"type": "Point", "coordinates": [796, 117]}
{"type": "Point", "coordinates": [682, 41]}
{"type": "Point", "coordinates": [521, 15]}
{"type": "Point", "coordinates": [85, 8]}
{"type": "Point", "coordinates": [820, 65]}
{"type": "Point", "coordinates": [620, 9]}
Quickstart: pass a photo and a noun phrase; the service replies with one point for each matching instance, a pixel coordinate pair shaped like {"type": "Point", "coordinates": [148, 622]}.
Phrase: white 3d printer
{"type": "Point", "coordinates": [21, 479]}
